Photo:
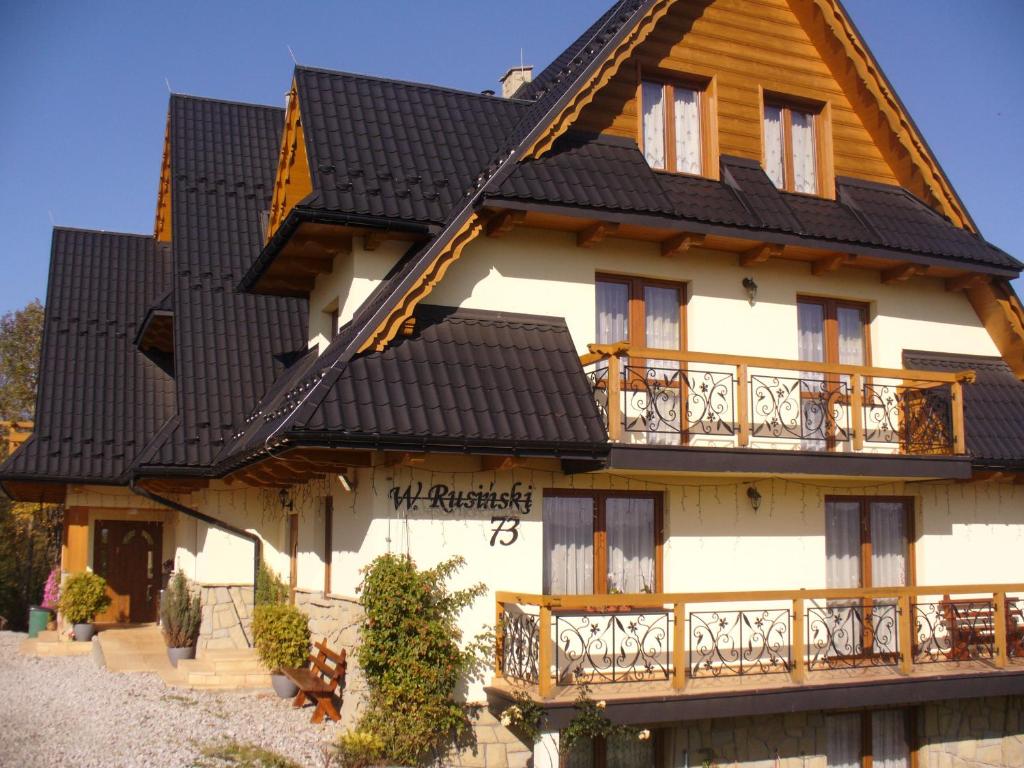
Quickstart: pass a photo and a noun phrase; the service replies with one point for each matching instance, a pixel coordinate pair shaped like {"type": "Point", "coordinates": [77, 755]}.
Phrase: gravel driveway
{"type": "Point", "coordinates": [67, 711]}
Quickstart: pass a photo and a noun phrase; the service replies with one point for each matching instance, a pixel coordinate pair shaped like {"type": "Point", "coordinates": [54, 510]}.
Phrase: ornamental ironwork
{"type": "Point", "coordinates": [954, 630]}
{"type": "Point", "coordinates": [520, 645]}
{"type": "Point", "coordinates": [740, 642]}
{"type": "Point", "coordinates": [805, 408]}
{"type": "Point", "coordinates": [1015, 628]}
{"type": "Point", "coordinates": [919, 419]}
{"type": "Point", "coordinates": [613, 648]}
{"type": "Point", "coordinates": [853, 635]}
{"type": "Point", "coordinates": [679, 402]}
{"type": "Point", "coordinates": [597, 376]}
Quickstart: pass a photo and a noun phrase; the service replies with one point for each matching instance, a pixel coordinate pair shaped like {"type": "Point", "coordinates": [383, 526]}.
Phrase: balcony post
{"type": "Point", "coordinates": [499, 638]}
{"type": "Point", "coordinates": [544, 680]}
{"type": "Point", "coordinates": [857, 410]}
{"type": "Point", "coordinates": [742, 403]}
{"type": "Point", "coordinates": [679, 646]}
{"type": "Point", "coordinates": [999, 610]}
{"type": "Point", "coordinates": [614, 407]}
{"type": "Point", "coordinates": [797, 642]}
{"type": "Point", "coordinates": [906, 633]}
{"type": "Point", "coordinates": [959, 436]}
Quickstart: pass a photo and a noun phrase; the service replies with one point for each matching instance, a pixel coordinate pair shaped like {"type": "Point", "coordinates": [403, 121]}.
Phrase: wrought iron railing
{"type": "Point", "coordinates": [570, 640]}
{"type": "Point", "coordinates": [667, 397]}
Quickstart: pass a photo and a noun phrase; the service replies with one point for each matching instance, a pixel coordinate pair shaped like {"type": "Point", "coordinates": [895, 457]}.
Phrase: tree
{"type": "Point", "coordinates": [21, 334]}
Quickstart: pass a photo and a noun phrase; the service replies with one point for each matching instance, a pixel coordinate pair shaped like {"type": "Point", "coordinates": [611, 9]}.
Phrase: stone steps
{"type": "Point", "coordinates": [50, 648]}
{"type": "Point", "coordinates": [221, 670]}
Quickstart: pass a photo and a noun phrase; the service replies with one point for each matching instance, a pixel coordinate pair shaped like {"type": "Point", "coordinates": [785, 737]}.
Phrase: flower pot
{"type": "Point", "coordinates": [177, 654]}
{"type": "Point", "coordinates": [284, 687]}
{"type": "Point", "coordinates": [84, 632]}
{"type": "Point", "coordinates": [38, 618]}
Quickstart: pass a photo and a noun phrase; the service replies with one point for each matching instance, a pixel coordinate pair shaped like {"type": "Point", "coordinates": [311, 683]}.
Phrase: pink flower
{"type": "Point", "coordinates": [51, 592]}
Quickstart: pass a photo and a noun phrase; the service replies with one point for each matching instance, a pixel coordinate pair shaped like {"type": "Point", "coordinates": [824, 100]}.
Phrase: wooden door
{"type": "Point", "coordinates": [127, 554]}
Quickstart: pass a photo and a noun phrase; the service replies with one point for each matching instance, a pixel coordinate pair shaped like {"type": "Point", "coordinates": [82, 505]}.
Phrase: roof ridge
{"type": "Point", "coordinates": [232, 102]}
{"type": "Point", "coordinates": [87, 230]}
{"type": "Point", "coordinates": [411, 84]}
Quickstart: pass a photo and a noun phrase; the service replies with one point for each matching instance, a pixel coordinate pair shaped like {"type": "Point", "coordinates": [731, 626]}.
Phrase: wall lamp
{"type": "Point", "coordinates": [286, 502]}
{"type": "Point", "coordinates": [755, 497]}
{"type": "Point", "coordinates": [751, 288]}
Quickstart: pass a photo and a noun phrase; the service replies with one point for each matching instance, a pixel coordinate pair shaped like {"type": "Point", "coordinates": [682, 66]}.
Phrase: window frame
{"type": "Point", "coordinates": [909, 526]}
{"type": "Point", "coordinates": [705, 87]}
{"type": "Point", "coordinates": [637, 307]}
{"type": "Point", "coordinates": [830, 308]}
{"type": "Point", "coordinates": [822, 118]}
{"type": "Point", "coordinates": [910, 715]}
{"type": "Point", "coordinates": [600, 750]}
{"type": "Point", "coordinates": [600, 535]}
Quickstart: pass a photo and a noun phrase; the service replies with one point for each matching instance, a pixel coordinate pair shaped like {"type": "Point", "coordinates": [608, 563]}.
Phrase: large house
{"type": "Point", "coordinates": [687, 345]}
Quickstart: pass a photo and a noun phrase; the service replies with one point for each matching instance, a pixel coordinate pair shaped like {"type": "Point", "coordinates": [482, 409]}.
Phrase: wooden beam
{"type": "Point", "coordinates": [499, 463]}
{"type": "Point", "coordinates": [965, 282]}
{"type": "Point", "coordinates": [289, 282]}
{"type": "Point", "coordinates": [504, 222]}
{"type": "Point", "coordinates": [902, 273]}
{"type": "Point", "coordinates": [679, 244]}
{"type": "Point", "coordinates": [761, 253]}
{"type": "Point", "coordinates": [307, 265]}
{"type": "Point", "coordinates": [374, 240]}
{"type": "Point", "coordinates": [595, 233]}
{"type": "Point", "coordinates": [830, 263]}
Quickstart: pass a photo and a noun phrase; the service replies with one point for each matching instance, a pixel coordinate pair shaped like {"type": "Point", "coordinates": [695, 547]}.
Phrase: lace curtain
{"type": "Point", "coordinates": [630, 527]}
{"type": "Point", "coordinates": [889, 747]}
{"type": "Point", "coordinates": [843, 741]}
{"type": "Point", "coordinates": [774, 151]}
{"type": "Point", "coordinates": [653, 99]}
{"type": "Point", "coordinates": [612, 312]}
{"type": "Point", "coordinates": [805, 168]}
{"type": "Point", "coordinates": [568, 545]}
{"type": "Point", "coordinates": [687, 127]}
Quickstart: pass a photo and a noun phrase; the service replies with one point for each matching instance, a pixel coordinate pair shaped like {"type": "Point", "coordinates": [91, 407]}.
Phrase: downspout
{"type": "Point", "coordinates": [197, 515]}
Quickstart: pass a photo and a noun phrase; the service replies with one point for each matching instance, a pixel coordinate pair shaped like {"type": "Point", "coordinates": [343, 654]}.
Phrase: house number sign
{"type": "Point", "coordinates": [510, 505]}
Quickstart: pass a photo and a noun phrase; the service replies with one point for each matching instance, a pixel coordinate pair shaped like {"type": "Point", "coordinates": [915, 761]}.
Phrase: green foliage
{"type": "Point", "coordinates": [358, 749]}
{"type": "Point", "coordinates": [84, 595]}
{"type": "Point", "coordinates": [281, 635]}
{"type": "Point", "coordinates": [270, 590]}
{"type": "Point", "coordinates": [590, 723]}
{"type": "Point", "coordinates": [523, 716]}
{"type": "Point", "coordinates": [239, 755]}
{"type": "Point", "coordinates": [180, 614]}
{"type": "Point", "coordinates": [413, 661]}
{"type": "Point", "coordinates": [21, 333]}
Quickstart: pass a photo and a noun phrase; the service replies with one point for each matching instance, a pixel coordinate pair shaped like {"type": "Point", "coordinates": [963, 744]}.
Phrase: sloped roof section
{"type": "Point", "coordinates": [229, 347]}
{"type": "Point", "coordinates": [993, 406]}
{"type": "Point", "coordinates": [464, 378]}
{"type": "Point", "coordinates": [99, 399]}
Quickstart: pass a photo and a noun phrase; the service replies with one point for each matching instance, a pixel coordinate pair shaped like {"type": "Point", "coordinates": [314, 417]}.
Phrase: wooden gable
{"type": "Point", "coordinates": [293, 181]}
{"type": "Point", "coordinates": [162, 228]}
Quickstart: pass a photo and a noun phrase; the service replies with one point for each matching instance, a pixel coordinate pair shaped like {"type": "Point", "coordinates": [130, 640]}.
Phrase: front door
{"type": "Point", "coordinates": [127, 554]}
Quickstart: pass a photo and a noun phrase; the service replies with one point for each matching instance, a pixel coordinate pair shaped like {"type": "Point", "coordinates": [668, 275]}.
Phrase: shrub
{"type": "Point", "coordinates": [412, 659]}
{"type": "Point", "coordinates": [281, 635]}
{"type": "Point", "coordinates": [180, 614]}
{"type": "Point", "coordinates": [358, 749]}
{"type": "Point", "coordinates": [270, 590]}
{"type": "Point", "coordinates": [84, 595]}
{"type": "Point", "coordinates": [51, 590]}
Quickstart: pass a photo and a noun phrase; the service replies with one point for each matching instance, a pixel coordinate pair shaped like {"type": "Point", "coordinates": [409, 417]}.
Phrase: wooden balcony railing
{"type": "Point", "coordinates": [703, 399]}
{"type": "Point", "coordinates": [565, 640]}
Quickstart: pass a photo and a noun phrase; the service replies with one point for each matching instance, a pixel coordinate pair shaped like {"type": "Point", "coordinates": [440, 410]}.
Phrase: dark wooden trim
{"type": "Point", "coordinates": [328, 541]}
{"type": "Point", "coordinates": [293, 554]}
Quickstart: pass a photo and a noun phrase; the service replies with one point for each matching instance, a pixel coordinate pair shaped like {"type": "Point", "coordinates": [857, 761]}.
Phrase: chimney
{"type": "Point", "coordinates": [514, 78]}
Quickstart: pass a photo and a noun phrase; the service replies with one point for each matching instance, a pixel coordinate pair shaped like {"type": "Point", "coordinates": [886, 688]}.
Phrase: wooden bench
{"type": "Point", "coordinates": [972, 623]}
{"type": "Point", "coordinates": [318, 683]}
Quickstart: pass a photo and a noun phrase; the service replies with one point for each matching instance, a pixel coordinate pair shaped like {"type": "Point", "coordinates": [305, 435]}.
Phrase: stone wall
{"type": "Point", "coordinates": [496, 746]}
{"type": "Point", "coordinates": [227, 618]}
{"type": "Point", "coordinates": [973, 733]}
{"type": "Point", "coordinates": [780, 741]}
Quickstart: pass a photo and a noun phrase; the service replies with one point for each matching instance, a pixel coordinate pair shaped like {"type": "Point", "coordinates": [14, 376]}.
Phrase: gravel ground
{"type": "Point", "coordinates": [68, 711]}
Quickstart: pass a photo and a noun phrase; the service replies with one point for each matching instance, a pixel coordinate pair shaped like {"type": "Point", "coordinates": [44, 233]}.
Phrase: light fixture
{"type": "Point", "coordinates": [348, 485]}
{"type": "Point", "coordinates": [751, 288]}
{"type": "Point", "coordinates": [755, 497]}
{"type": "Point", "coordinates": [286, 502]}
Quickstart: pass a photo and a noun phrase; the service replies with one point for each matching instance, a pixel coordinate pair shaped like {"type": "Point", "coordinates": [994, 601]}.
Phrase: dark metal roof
{"type": "Point", "coordinates": [993, 406]}
{"type": "Point", "coordinates": [99, 399]}
{"type": "Point", "coordinates": [464, 377]}
{"type": "Point", "coordinates": [229, 347]}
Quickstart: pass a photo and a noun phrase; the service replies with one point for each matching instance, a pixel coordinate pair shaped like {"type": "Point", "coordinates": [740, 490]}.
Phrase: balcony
{"type": "Point", "coordinates": [674, 646]}
{"type": "Point", "coordinates": [697, 400]}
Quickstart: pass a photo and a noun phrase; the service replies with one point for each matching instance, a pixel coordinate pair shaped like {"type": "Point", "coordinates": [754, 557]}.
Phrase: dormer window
{"type": "Point", "coordinates": [674, 124]}
{"type": "Point", "coordinates": [792, 155]}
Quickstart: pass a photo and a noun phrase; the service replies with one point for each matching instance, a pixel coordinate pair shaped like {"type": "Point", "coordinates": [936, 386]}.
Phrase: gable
{"type": "Point", "coordinates": [162, 228]}
{"type": "Point", "coordinates": [293, 180]}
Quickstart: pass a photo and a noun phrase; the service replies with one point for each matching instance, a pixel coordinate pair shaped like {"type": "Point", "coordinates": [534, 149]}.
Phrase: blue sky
{"type": "Point", "coordinates": [86, 95]}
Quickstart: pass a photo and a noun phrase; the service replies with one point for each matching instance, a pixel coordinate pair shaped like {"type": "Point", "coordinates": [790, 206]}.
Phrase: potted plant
{"type": "Point", "coordinates": [281, 635]}
{"type": "Point", "coordinates": [180, 616]}
{"type": "Point", "coordinates": [84, 595]}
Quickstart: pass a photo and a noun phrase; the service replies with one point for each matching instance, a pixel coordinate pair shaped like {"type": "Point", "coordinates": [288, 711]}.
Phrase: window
{"type": "Point", "coordinates": [601, 542]}
{"type": "Point", "coordinates": [792, 153]}
{"type": "Point", "coordinates": [646, 313]}
{"type": "Point", "coordinates": [626, 751]}
{"type": "Point", "coordinates": [860, 739]}
{"type": "Point", "coordinates": [673, 126]}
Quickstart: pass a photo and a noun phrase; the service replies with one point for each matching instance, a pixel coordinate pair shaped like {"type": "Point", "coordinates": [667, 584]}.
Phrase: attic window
{"type": "Point", "coordinates": [675, 126]}
{"type": "Point", "coordinates": [793, 146]}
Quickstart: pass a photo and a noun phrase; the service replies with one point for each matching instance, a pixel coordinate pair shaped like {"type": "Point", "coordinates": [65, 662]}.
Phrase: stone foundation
{"type": "Point", "coordinates": [973, 733]}
{"type": "Point", "coordinates": [496, 746]}
{"type": "Point", "coordinates": [227, 618]}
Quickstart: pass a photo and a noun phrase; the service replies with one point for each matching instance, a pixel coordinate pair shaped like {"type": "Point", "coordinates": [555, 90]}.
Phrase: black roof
{"type": "Point", "coordinates": [99, 400]}
{"type": "Point", "coordinates": [993, 406]}
{"type": "Point", "coordinates": [229, 347]}
{"type": "Point", "coordinates": [464, 378]}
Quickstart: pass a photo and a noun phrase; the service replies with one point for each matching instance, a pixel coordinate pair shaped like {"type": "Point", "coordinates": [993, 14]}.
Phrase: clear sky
{"type": "Point", "coordinates": [86, 98]}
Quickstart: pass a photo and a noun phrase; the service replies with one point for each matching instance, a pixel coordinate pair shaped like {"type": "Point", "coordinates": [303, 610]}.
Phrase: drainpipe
{"type": "Point", "coordinates": [196, 514]}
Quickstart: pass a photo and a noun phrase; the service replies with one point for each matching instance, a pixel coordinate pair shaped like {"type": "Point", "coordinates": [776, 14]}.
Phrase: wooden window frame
{"type": "Point", "coordinates": [910, 527]}
{"type": "Point", "coordinates": [830, 307]}
{"type": "Point", "coordinates": [910, 715]}
{"type": "Point", "coordinates": [600, 543]}
{"type": "Point", "coordinates": [328, 542]}
{"type": "Point", "coordinates": [708, 102]}
{"type": "Point", "coordinates": [601, 750]}
{"type": "Point", "coordinates": [636, 322]}
{"type": "Point", "coordinates": [823, 153]}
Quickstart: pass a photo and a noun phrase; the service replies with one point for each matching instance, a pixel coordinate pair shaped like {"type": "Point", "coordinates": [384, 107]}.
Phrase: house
{"type": "Point", "coordinates": [686, 344]}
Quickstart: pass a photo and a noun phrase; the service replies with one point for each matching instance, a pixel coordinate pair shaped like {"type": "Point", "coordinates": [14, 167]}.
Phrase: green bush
{"type": "Point", "coordinates": [270, 590]}
{"type": "Point", "coordinates": [358, 749]}
{"type": "Point", "coordinates": [413, 661]}
{"type": "Point", "coordinates": [84, 595]}
{"type": "Point", "coordinates": [281, 635]}
{"type": "Point", "coordinates": [180, 614]}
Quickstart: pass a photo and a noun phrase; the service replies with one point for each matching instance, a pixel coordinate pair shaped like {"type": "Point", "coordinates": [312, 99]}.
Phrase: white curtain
{"type": "Point", "coordinates": [687, 119]}
{"type": "Point", "coordinates": [630, 527]}
{"type": "Point", "coordinates": [627, 751]}
{"type": "Point", "coordinates": [842, 545]}
{"type": "Point", "coordinates": [653, 98]}
{"type": "Point", "coordinates": [843, 741]}
{"type": "Point", "coordinates": [888, 544]}
{"type": "Point", "coordinates": [568, 545]}
{"type": "Point", "coordinates": [811, 326]}
{"type": "Point", "coordinates": [852, 349]}
{"type": "Point", "coordinates": [811, 330]}
{"type": "Point", "coordinates": [612, 312]}
{"type": "Point", "coordinates": [889, 747]}
{"type": "Point", "coordinates": [805, 165]}
{"type": "Point", "coordinates": [774, 152]}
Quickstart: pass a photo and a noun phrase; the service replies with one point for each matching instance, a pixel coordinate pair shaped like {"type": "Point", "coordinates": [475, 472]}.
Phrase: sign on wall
{"type": "Point", "coordinates": [513, 503]}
